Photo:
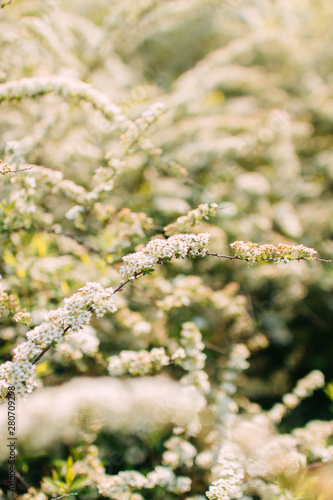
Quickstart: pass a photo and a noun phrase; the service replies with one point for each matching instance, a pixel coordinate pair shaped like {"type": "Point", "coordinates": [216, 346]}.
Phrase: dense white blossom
{"type": "Point", "coordinates": [179, 114]}
{"type": "Point", "coordinates": [179, 453]}
{"type": "Point", "coordinates": [303, 389]}
{"type": "Point", "coordinates": [230, 472]}
{"type": "Point", "coordinates": [140, 406]}
{"type": "Point", "coordinates": [65, 87]}
{"type": "Point", "coordinates": [252, 252]}
{"type": "Point", "coordinates": [179, 246]}
{"type": "Point", "coordinates": [75, 313]}
{"type": "Point", "coordinates": [193, 218]}
{"type": "Point", "coordinates": [138, 363]}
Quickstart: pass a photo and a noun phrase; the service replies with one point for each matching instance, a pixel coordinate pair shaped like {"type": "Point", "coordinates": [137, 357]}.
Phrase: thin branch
{"type": "Point", "coordinates": [23, 481]}
{"type": "Point", "coordinates": [72, 237]}
{"type": "Point", "coordinates": [160, 261]}
{"type": "Point", "coordinates": [230, 257]}
{"type": "Point", "coordinates": [47, 348]}
{"type": "Point", "coordinates": [66, 88]}
{"type": "Point", "coordinates": [121, 286]}
{"type": "Point", "coordinates": [15, 171]}
{"type": "Point", "coordinates": [214, 347]}
{"type": "Point", "coordinates": [49, 230]}
{"type": "Point", "coordinates": [41, 354]}
{"type": "Point", "coordinates": [236, 257]}
{"type": "Point", "coordinates": [20, 170]}
{"type": "Point", "coordinates": [119, 289]}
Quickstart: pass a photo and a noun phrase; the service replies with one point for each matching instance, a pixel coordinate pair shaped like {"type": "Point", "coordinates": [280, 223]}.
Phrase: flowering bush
{"type": "Point", "coordinates": [140, 140]}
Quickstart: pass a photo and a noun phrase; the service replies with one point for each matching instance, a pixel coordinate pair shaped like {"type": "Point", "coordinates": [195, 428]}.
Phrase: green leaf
{"type": "Point", "coordinates": [58, 488]}
{"type": "Point", "coordinates": [80, 483]}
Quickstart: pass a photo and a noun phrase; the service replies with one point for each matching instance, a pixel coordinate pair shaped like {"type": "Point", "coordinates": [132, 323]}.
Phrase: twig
{"type": "Point", "coordinates": [236, 257]}
{"type": "Point", "coordinates": [230, 257]}
{"type": "Point", "coordinates": [59, 233]}
{"type": "Point", "coordinates": [119, 289]}
{"type": "Point", "coordinates": [15, 171]}
{"type": "Point", "coordinates": [41, 354]}
{"type": "Point", "coordinates": [214, 347]}
{"type": "Point", "coordinates": [20, 170]}
{"type": "Point", "coordinates": [23, 481]}
{"type": "Point", "coordinates": [160, 261]}
{"type": "Point", "coordinates": [72, 237]}
{"type": "Point", "coordinates": [44, 351]}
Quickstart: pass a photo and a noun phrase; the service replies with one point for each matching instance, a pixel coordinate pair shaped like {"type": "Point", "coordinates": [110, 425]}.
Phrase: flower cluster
{"type": "Point", "coordinates": [190, 355]}
{"type": "Point", "coordinates": [142, 406]}
{"type": "Point", "coordinates": [135, 130]}
{"type": "Point", "coordinates": [252, 252]}
{"type": "Point", "coordinates": [270, 454]}
{"type": "Point", "coordinates": [9, 305]}
{"type": "Point", "coordinates": [235, 364]}
{"type": "Point", "coordinates": [42, 177]}
{"type": "Point", "coordinates": [191, 358]}
{"type": "Point", "coordinates": [166, 478]}
{"type": "Point", "coordinates": [180, 452]}
{"type": "Point", "coordinates": [79, 344]}
{"type": "Point", "coordinates": [122, 485]}
{"type": "Point", "coordinates": [138, 363]}
{"type": "Point", "coordinates": [231, 473]}
{"type": "Point", "coordinates": [76, 312]}
{"type": "Point", "coordinates": [315, 440]}
{"type": "Point", "coordinates": [303, 389]}
{"type": "Point", "coordinates": [156, 251]}
{"type": "Point", "coordinates": [64, 87]}
{"type": "Point", "coordinates": [4, 168]}
{"type": "Point", "coordinates": [230, 306]}
{"type": "Point", "coordinates": [126, 484]}
{"type": "Point", "coordinates": [192, 218]}
{"type": "Point", "coordinates": [23, 317]}
{"type": "Point", "coordinates": [226, 92]}
{"type": "Point", "coordinates": [128, 226]}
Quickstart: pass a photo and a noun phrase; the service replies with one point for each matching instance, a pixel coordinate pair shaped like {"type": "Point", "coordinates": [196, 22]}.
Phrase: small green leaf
{"type": "Point", "coordinates": [80, 483]}
{"type": "Point", "coordinates": [58, 488]}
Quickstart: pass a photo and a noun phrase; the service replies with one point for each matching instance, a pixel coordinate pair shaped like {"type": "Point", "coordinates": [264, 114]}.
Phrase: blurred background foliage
{"type": "Point", "coordinates": [248, 94]}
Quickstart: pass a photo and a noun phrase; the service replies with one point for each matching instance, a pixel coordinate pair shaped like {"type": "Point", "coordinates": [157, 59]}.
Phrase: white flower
{"type": "Point", "coordinates": [75, 313]}
{"type": "Point", "coordinates": [138, 363]}
{"type": "Point", "coordinates": [252, 252]}
{"type": "Point", "coordinates": [179, 246]}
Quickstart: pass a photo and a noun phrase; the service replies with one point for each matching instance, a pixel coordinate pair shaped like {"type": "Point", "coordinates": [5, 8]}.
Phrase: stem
{"type": "Point", "coordinates": [41, 354]}
{"type": "Point", "coordinates": [23, 481]}
{"type": "Point", "coordinates": [230, 257]}
{"type": "Point", "coordinates": [236, 257]}
{"type": "Point", "coordinates": [72, 237]}
{"type": "Point", "coordinates": [160, 261]}
{"type": "Point", "coordinates": [49, 230]}
{"type": "Point", "coordinates": [47, 348]}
